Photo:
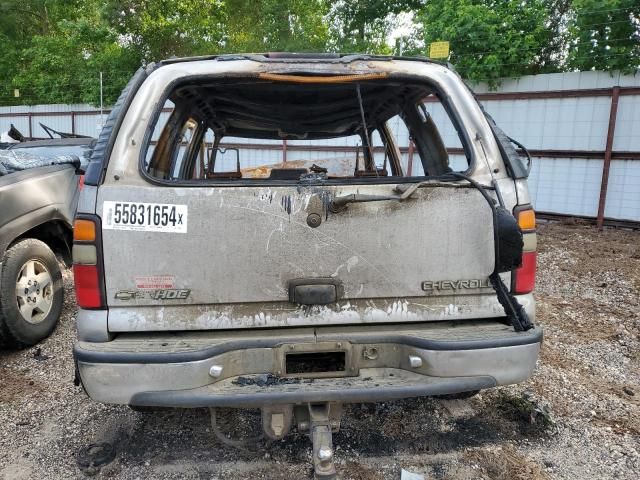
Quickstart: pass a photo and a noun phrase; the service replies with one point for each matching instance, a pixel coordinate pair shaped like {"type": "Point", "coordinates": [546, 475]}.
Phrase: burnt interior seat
{"type": "Point", "coordinates": [381, 172]}
{"type": "Point", "coordinates": [225, 175]}
{"type": "Point", "coordinates": [211, 175]}
{"type": "Point", "coordinates": [287, 173]}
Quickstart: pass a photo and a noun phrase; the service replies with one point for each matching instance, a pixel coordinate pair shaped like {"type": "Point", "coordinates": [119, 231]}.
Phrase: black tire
{"type": "Point", "coordinates": [14, 329]}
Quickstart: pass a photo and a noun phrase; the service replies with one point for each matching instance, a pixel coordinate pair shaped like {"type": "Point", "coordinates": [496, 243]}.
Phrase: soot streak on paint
{"type": "Point", "coordinates": [286, 203]}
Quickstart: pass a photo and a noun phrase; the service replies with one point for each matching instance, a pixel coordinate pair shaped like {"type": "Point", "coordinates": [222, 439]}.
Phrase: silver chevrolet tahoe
{"type": "Point", "coordinates": [212, 273]}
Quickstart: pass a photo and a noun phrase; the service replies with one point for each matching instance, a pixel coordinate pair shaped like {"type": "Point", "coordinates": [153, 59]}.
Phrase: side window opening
{"type": "Point", "coordinates": [285, 131]}
{"type": "Point", "coordinates": [187, 145]}
{"type": "Point", "coordinates": [375, 158]}
{"type": "Point", "coordinates": [429, 144]}
{"type": "Point", "coordinates": [449, 135]}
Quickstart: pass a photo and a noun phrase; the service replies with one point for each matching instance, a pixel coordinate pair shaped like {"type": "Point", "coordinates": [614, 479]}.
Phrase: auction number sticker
{"type": "Point", "coordinates": [145, 217]}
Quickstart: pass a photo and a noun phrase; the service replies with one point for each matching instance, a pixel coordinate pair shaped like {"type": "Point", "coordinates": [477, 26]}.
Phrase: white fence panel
{"type": "Point", "coordinates": [566, 185]}
{"type": "Point", "coordinates": [623, 191]}
{"type": "Point", "coordinates": [627, 137]}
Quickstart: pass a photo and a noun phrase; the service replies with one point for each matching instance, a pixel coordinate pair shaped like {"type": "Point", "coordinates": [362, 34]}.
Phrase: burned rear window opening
{"type": "Point", "coordinates": [215, 128]}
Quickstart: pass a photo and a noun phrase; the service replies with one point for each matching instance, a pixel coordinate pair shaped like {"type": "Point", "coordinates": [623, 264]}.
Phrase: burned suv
{"type": "Point", "coordinates": [251, 234]}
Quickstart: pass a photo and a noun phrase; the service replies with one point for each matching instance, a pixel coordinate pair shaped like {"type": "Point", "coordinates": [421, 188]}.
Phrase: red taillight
{"type": "Point", "coordinates": [81, 182]}
{"type": "Point", "coordinates": [525, 275]}
{"type": "Point", "coordinates": [87, 282]}
{"type": "Point", "coordinates": [87, 262]}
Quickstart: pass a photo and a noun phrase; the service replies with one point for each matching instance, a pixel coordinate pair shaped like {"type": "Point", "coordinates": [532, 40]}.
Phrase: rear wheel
{"type": "Point", "coordinates": [31, 293]}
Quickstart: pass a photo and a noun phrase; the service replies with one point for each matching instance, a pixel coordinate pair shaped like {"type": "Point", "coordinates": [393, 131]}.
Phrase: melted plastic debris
{"type": "Point", "coordinates": [268, 380]}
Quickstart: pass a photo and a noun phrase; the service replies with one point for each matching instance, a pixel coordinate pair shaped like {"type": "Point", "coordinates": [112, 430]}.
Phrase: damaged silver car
{"type": "Point", "coordinates": [215, 275]}
{"type": "Point", "coordinates": [38, 198]}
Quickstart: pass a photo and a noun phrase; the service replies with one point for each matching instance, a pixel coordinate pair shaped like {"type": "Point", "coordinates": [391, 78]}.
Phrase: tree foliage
{"type": "Point", "coordinates": [65, 67]}
{"type": "Point", "coordinates": [54, 50]}
{"type": "Point", "coordinates": [157, 29]}
{"type": "Point", "coordinates": [491, 39]}
{"type": "Point", "coordinates": [57, 50]}
{"type": "Point", "coordinates": [605, 35]}
{"type": "Point", "coordinates": [365, 25]}
{"type": "Point", "coordinates": [275, 25]}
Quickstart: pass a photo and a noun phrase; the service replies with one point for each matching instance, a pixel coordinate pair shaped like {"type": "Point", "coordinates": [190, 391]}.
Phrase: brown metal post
{"type": "Point", "coordinates": [607, 155]}
{"type": "Point", "coordinates": [284, 151]}
{"type": "Point", "coordinates": [410, 159]}
{"type": "Point", "coordinates": [73, 122]}
{"type": "Point", "coordinates": [30, 126]}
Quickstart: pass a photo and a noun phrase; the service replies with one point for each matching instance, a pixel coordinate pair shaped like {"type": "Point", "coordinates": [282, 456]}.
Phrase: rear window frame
{"type": "Point", "coordinates": [254, 182]}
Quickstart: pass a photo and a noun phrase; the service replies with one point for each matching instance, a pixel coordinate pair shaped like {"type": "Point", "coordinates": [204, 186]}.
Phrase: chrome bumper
{"type": "Point", "coordinates": [249, 369]}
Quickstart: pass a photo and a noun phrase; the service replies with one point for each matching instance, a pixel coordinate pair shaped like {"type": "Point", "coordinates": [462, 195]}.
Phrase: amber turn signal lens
{"type": "Point", "coordinates": [84, 231]}
{"type": "Point", "coordinates": [527, 219]}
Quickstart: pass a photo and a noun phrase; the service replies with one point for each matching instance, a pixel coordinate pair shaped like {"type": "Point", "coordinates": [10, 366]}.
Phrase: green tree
{"type": "Point", "coordinates": [365, 25]}
{"type": "Point", "coordinates": [275, 25]}
{"type": "Point", "coordinates": [64, 67]}
{"type": "Point", "coordinates": [19, 22]}
{"type": "Point", "coordinates": [605, 35]}
{"type": "Point", "coordinates": [553, 53]}
{"type": "Point", "coordinates": [54, 51]}
{"type": "Point", "coordinates": [489, 39]}
{"type": "Point", "coordinates": [159, 29]}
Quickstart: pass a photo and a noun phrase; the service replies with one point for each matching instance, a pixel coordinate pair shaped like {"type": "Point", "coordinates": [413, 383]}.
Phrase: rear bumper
{"type": "Point", "coordinates": [174, 369]}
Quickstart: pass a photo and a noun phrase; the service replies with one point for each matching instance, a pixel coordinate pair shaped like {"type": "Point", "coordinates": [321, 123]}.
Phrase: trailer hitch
{"type": "Point", "coordinates": [318, 420]}
{"type": "Point", "coordinates": [322, 440]}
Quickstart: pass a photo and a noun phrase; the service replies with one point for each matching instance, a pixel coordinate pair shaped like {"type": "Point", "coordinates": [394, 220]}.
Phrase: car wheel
{"type": "Point", "coordinates": [31, 293]}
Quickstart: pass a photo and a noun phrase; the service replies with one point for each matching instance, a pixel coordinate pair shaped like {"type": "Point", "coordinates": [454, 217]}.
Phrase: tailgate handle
{"type": "Point", "coordinates": [315, 291]}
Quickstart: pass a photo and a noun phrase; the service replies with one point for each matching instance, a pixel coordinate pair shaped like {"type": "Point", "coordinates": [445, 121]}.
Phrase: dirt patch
{"type": "Point", "coordinates": [17, 384]}
{"type": "Point", "coordinates": [506, 464]}
{"type": "Point", "coordinates": [358, 471]}
{"type": "Point", "coordinates": [532, 417]}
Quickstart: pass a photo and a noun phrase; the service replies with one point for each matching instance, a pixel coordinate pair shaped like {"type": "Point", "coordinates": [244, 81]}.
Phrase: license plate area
{"type": "Point", "coordinates": [321, 360]}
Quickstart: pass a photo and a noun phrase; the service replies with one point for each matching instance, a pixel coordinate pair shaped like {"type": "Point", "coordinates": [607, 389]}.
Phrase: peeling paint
{"type": "Point", "coordinates": [201, 317]}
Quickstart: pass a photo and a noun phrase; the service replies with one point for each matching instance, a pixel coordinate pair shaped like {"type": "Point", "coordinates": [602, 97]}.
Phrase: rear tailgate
{"type": "Point", "coordinates": [223, 257]}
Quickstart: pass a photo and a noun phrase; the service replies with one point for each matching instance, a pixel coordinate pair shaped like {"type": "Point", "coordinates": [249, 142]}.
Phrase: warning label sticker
{"type": "Point", "coordinates": [155, 282]}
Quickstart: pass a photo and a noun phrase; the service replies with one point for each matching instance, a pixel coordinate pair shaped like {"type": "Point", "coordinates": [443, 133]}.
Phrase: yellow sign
{"type": "Point", "coordinates": [439, 50]}
{"type": "Point", "coordinates": [16, 93]}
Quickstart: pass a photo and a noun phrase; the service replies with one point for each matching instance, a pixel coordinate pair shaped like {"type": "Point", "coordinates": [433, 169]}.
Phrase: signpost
{"type": "Point", "coordinates": [439, 50]}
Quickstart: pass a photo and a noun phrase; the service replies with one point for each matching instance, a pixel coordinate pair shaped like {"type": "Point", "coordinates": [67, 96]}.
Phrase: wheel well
{"type": "Point", "coordinates": [56, 234]}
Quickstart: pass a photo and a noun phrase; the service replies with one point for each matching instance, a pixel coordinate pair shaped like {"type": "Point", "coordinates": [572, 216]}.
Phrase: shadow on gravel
{"type": "Point", "coordinates": [413, 426]}
{"type": "Point", "coordinates": [427, 426]}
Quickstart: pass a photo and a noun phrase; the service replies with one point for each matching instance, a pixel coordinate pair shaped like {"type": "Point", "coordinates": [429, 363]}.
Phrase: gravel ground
{"type": "Point", "coordinates": [578, 417]}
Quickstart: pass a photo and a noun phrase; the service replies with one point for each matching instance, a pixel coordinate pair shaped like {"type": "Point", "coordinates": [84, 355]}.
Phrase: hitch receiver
{"type": "Point", "coordinates": [322, 440]}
